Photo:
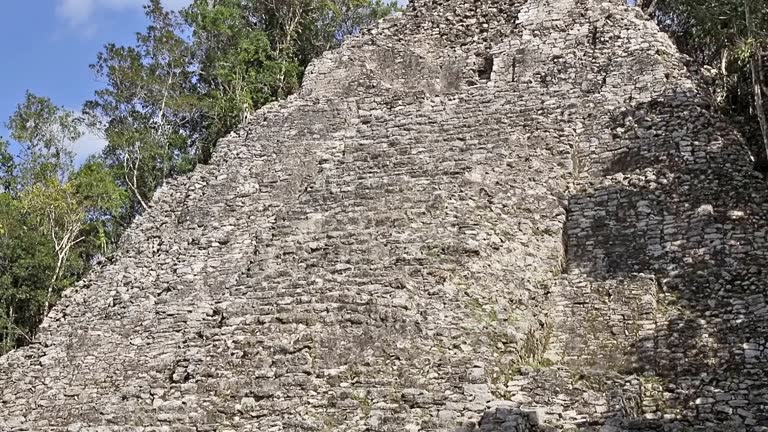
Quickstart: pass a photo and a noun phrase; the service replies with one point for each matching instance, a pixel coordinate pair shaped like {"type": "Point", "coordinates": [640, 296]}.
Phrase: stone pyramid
{"type": "Point", "coordinates": [479, 216]}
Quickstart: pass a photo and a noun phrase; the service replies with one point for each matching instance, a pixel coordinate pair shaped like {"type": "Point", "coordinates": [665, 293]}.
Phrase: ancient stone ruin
{"type": "Point", "coordinates": [480, 216]}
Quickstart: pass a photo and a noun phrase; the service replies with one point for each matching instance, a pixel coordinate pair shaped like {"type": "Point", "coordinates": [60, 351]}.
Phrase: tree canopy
{"type": "Point", "coordinates": [48, 212]}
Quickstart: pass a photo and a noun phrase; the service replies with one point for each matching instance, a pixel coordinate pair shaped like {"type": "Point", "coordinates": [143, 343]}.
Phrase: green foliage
{"type": "Point", "coordinates": [7, 168]}
{"type": "Point", "coordinates": [252, 52]}
{"type": "Point", "coordinates": [44, 132]}
{"type": "Point", "coordinates": [25, 261]}
{"type": "Point", "coordinates": [146, 106]}
{"type": "Point", "coordinates": [240, 68]}
{"type": "Point", "coordinates": [52, 217]}
{"type": "Point", "coordinates": [333, 20]}
{"type": "Point", "coordinates": [706, 28]}
{"type": "Point", "coordinates": [95, 186]}
{"type": "Point", "coordinates": [105, 203]}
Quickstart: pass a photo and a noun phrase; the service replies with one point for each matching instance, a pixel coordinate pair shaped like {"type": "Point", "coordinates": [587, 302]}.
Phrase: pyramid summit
{"type": "Point", "coordinates": [478, 216]}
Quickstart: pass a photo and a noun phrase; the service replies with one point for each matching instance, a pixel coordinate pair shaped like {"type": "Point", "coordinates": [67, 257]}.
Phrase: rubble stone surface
{"type": "Point", "coordinates": [478, 216]}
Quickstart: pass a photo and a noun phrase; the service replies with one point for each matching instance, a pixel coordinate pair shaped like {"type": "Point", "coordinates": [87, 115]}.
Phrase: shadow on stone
{"type": "Point", "coordinates": [679, 203]}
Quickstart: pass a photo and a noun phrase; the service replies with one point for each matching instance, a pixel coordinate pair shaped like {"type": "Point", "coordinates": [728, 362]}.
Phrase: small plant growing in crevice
{"type": "Point", "coordinates": [330, 423]}
{"type": "Point", "coordinates": [364, 403]}
{"type": "Point", "coordinates": [530, 355]}
{"type": "Point", "coordinates": [535, 345]}
{"type": "Point", "coordinates": [652, 389]}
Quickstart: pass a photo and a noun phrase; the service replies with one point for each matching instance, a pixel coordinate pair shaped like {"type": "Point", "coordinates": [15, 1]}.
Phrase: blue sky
{"type": "Point", "coordinates": [47, 46]}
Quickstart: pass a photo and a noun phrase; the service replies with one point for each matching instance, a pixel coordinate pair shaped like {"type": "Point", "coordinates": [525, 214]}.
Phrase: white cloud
{"type": "Point", "coordinates": [79, 12]}
{"type": "Point", "coordinates": [87, 145]}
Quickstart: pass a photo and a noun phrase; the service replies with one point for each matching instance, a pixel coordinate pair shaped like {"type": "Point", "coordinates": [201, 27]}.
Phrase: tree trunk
{"type": "Point", "coordinates": [133, 185]}
{"type": "Point", "coordinates": [9, 336]}
{"type": "Point", "coordinates": [756, 70]}
{"type": "Point", "coordinates": [650, 9]}
{"type": "Point", "coordinates": [758, 59]}
{"type": "Point", "coordinates": [163, 132]}
{"type": "Point", "coordinates": [55, 278]}
{"type": "Point", "coordinates": [755, 67]}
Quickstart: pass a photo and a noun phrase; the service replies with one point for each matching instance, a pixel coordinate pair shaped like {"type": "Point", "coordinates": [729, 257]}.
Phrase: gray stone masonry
{"type": "Point", "coordinates": [478, 216]}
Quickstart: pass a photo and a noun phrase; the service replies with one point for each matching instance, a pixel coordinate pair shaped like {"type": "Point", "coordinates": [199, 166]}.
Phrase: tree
{"type": "Point", "coordinates": [51, 197]}
{"type": "Point", "coordinates": [8, 177]}
{"type": "Point", "coordinates": [104, 200]}
{"type": "Point", "coordinates": [148, 99]}
{"type": "Point", "coordinates": [240, 70]}
{"type": "Point", "coordinates": [55, 208]}
{"type": "Point", "coordinates": [44, 131]}
{"type": "Point", "coordinates": [727, 35]}
{"type": "Point", "coordinates": [25, 263]}
{"type": "Point", "coordinates": [251, 52]}
{"type": "Point", "coordinates": [332, 21]}
{"type": "Point", "coordinates": [756, 70]}
{"type": "Point", "coordinates": [191, 78]}
{"type": "Point", "coordinates": [64, 212]}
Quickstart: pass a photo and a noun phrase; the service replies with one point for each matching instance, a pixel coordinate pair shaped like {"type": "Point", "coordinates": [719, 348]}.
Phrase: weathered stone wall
{"type": "Point", "coordinates": [481, 215]}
